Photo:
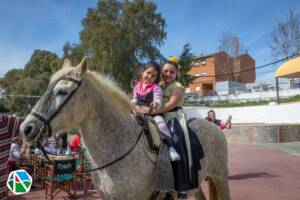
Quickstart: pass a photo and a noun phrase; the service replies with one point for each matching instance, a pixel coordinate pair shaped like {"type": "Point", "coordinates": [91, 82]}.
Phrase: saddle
{"type": "Point", "coordinates": [152, 135]}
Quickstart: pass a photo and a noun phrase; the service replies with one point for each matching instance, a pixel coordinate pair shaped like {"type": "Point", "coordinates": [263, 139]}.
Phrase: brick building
{"type": "Point", "coordinates": [209, 69]}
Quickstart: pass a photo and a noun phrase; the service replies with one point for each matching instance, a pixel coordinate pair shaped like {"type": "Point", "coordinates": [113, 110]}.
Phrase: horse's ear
{"type": "Point", "coordinates": [67, 63]}
{"type": "Point", "coordinates": [82, 67]}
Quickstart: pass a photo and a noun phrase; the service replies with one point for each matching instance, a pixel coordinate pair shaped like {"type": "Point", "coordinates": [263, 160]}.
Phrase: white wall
{"type": "Point", "coordinates": [286, 113]}
{"type": "Point", "coordinates": [267, 95]}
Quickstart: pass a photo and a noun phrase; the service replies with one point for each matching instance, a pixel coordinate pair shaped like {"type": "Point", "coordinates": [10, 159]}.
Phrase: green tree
{"type": "Point", "coordinates": [120, 35]}
{"type": "Point", "coordinates": [3, 108]}
{"type": "Point", "coordinates": [11, 76]}
{"type": "Point", "coordinates": [74, 52]}
{"type": "Point", "coordinates": [32, 82]}
{"type": "Point", "coordinates": [26, 86]}
{"type": "Point", "coordinates": [41, 61]}
{"type": "Point", "coordinates": [185, 60]}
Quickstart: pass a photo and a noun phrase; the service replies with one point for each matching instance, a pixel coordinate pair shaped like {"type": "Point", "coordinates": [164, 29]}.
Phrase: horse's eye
{"type": "Point", "coordinates": [61, 92]}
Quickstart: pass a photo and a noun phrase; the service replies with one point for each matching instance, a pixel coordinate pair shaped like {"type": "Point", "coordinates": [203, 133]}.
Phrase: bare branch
{"type": "Point", "coordinates": [285, 38]}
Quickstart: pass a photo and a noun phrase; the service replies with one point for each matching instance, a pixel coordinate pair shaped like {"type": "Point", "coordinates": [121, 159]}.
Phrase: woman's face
{"type": "Point", "coordinates": [169, 73]}
{"type": "Point", "coordinates": [212, 116]}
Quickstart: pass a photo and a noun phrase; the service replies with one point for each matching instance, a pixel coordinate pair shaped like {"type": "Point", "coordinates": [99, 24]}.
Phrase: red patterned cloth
{"type": "Point", "coordinates": [9, 128]}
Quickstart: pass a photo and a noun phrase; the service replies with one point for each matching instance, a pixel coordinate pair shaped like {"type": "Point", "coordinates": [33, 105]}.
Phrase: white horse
{"type": "Point", "coordinates": [77, 97]}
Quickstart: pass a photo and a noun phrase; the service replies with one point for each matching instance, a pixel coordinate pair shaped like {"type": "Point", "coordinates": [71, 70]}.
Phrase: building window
{"type": "Point", "coordinates": [203, 74]}
{"type": "Point", "coordinates": [196, 62]}
{"type": "Point", "coordinates": [196, 75]}
{"type": "Point", "coordinates": [203, 61]}
{"type": "Point", "coordinates": [197, 88]}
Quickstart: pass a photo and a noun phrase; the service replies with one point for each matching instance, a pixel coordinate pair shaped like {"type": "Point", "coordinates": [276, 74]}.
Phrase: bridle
{"type": "Point", "coordinates": [46, 129]}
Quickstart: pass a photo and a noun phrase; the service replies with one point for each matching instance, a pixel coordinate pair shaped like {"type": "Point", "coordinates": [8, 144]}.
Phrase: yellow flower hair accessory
{"type": "Point", "coordinates": [174, 59]}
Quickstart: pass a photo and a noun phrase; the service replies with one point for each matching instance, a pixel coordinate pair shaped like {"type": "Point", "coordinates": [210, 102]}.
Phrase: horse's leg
{"type": "Point", "coordinates": [156, 196]}
{"type": "Point", "coordinates": [162, 196]}
{"type": "Point", "coordinates": [199, 195]}
{"type": "Point", "coordinates": [213, 192]}
{"type": "Point", "coordinates": [222, 186]}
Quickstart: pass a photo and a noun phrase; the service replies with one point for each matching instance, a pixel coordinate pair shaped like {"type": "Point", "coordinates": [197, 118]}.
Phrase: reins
{"type": "Point", "coordinates": [119, 158]}
{"type": "Point", "coordinates": [128, 152]}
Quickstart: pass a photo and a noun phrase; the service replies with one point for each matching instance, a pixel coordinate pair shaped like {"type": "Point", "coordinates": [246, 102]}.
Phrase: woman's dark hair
{"type": "Point", "coordinates": [210, 111]}
{"type": "Point", "coordinates": [64, 137]}
{"type": "Point", "coordinates": [156, 68]}
{"type": "Point", "coordinates": [172, 63]}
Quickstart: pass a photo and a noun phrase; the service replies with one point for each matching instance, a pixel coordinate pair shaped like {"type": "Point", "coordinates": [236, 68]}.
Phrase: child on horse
{"type": "Point", "coordinates": [148, 94]}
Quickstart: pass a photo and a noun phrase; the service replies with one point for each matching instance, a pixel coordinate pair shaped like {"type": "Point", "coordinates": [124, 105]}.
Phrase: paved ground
{"type": "Point", "coordinates": [38, 193]}
{"type": "Point", "coordinates": [257, 172]}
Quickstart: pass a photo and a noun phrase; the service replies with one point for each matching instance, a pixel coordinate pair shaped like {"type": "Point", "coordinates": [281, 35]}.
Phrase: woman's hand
{"type": "Point", "coordinates": [142, 109]}
{"type": "Point", "coordinates": [228, 122]}
{"type": "Point", "coordinates": [153, 105]}
{"type": "Point", "coordinates": [145, 109]}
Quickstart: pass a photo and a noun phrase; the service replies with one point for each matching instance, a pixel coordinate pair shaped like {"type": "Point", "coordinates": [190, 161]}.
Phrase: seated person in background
{"type": "Point", "coordinates": [64, 136]}
{"type": "Point", "coordinates": [48, 148]}
{"type": "Point", "coordinates": [17, 149]}
{"type": "Point", "coordinates": [75, 143]}
{"type": "Point", "coordinates": [211, 116]}
{"type": "Point", "coordinates": [61, 150]}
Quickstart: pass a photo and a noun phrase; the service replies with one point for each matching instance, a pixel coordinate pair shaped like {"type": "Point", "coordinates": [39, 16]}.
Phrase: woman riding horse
{"type": "Point", "coordinates": [186, 170]}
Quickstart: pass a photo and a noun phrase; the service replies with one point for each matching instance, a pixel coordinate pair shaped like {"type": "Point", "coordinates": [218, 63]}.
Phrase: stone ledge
{"type": "Point", "coordinates": [263, 133]}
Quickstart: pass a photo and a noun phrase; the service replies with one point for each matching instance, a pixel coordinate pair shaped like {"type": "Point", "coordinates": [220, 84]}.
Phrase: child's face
{"type": "Point", "coordinates": [149, 75]}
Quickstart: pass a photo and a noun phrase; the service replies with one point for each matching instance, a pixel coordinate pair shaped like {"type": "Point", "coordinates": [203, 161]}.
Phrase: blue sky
{"type": "Point", "coordinates": [48, 24]}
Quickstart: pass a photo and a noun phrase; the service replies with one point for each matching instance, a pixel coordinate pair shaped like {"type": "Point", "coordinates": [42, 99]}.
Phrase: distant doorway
{"type": "Point", "coordinates": [207, 89]}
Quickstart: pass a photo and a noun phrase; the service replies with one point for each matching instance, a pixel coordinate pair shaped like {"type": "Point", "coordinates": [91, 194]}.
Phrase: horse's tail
{"type": "Point", "coordinates": [213, 192]}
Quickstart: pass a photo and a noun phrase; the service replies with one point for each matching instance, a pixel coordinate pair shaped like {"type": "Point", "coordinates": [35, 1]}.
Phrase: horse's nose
{"type": "Point", "coordinates": [28, 131]}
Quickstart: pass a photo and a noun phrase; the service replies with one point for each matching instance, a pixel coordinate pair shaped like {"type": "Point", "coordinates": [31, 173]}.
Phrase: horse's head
{"type": "Point", "coordinates": [57, 109]}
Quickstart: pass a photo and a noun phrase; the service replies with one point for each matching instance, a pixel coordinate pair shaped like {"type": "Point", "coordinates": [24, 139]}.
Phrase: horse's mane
{"type": "Point", "coordinates": [112, 93]}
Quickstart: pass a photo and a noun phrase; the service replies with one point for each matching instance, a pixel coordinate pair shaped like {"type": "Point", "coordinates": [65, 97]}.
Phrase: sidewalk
{"type": "Point", "coordinates": [293, 148]}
